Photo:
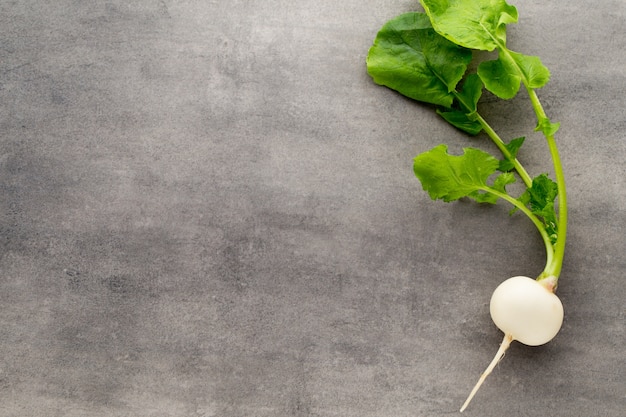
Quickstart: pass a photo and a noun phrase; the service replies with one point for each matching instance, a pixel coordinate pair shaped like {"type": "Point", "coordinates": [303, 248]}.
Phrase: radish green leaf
{"type": "Point", "coordinates": [540, 197]}
{"type": "Point", "coordinates": [513, 147]}
{"type": "Point", "coordinates": [475, 24]}
{"type": "Point", "coordinates": [461, 121]}
{"type": "Point", "coordinates": [410, 57]}
{"type": "Point", "coordinates": [466, 119]}
{"type": "Point", "coordinates": [450, 177]}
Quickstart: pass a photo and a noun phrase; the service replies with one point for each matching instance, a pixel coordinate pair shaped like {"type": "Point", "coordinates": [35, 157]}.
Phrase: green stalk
{"type": "Point", "coordinates": [554, 253]}
{"type": "Point", "coordinates": [550, 255]}
{"type": "Point", "coordinates": [500, 144]}
{"type": "Point", "coordinates": [497, 140]}
{"type": "Point", "coordinates": [554, 268]}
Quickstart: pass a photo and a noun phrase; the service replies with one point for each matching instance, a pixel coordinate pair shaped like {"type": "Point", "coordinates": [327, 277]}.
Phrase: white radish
{"type": "Point", "coordinates": [526, 310]}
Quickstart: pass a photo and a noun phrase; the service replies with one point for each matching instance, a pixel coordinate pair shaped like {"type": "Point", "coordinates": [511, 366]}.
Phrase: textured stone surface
{"type": "Point", "coordinates": [208, 209]}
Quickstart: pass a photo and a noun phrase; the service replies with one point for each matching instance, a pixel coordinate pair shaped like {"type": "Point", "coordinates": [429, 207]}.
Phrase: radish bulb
{"type": "Point", "coordinates": [526, 310]}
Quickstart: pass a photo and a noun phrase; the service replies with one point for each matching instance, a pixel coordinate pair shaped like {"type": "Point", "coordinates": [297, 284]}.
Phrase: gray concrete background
{"type": "Point", "coordinates": [208, 209]}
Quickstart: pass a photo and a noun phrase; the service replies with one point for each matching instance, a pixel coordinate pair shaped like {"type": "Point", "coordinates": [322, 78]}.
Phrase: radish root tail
{"type": "Point", "coordinates": [506, 342]}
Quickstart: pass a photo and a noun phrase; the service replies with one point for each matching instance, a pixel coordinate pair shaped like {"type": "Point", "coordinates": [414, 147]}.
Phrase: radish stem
{"type": "Point", "coordinates": [554, 269]}
{"type": "Point", "coordinates": [542, 231]}
{"type": "Point", "coordinates": [500, 144]}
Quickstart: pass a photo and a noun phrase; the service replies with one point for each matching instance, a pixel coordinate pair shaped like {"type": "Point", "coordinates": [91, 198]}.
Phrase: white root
{"type": "Point", "coordinates": [506, 342]}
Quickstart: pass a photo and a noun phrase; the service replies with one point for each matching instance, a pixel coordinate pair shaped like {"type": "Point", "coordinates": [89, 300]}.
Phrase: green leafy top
{"type": "Point", "coordinates": [465, 116]}
{"type": "Point", "coordinates": [540, 197]}
{"type": "Point", "coordinates": [410, 57]}
{"type": "Point", "coordinates": [476, 24]}
{"type": "Point", "coordinates": [504, 75]}
{"type": "Point", "coordinates": [481, 24]}
{"type": "Point", "coordinates": [425, 57]}
{"type": "Point", "coordinates": [450, 177]}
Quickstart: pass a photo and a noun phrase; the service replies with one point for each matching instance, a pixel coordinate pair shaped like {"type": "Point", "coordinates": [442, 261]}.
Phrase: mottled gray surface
{"type": "Point", "coordinates": [208, 209]}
